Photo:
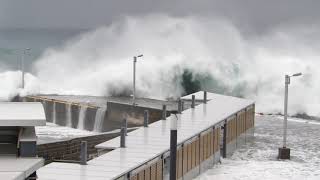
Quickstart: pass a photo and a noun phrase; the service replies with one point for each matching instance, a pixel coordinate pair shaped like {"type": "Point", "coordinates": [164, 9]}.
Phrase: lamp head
{"type": "Point", "coordinates": [297, 74]}
{"type": "Point", "coordinates": [140, 55]}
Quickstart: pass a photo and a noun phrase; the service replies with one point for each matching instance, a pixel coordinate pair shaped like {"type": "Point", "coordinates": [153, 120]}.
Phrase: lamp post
{"type": "Point", "coordinates": [284, 152]}
{"type": "Point", "coordinates": [134, 78]}
{"type": "Point", "coordinates": [22, 66]}
{"type": "Point", "coordinates": [173, 144]}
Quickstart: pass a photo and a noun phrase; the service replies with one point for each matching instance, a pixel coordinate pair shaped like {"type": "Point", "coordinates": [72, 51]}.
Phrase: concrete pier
{"type": "Point", "coordinates": [146, 155]}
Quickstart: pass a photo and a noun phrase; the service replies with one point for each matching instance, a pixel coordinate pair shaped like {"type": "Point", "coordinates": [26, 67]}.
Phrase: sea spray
{"type": "Point", "coordinates": [11, 85]}
{"type": "Point", "coordinates": [100, 115]}
{"type": "Point", "coordinates": [45, 107]}
{"type": "Point", "coordinates": [69, 115]}
{"type": "Point", "coordinates": [82, 117]}
{"type": "Point", "coordinates": [100, 62]}
{"type": "Point", "coordinates": [231, 64]}
{"type": "Point", "coordinates": [54, 113]}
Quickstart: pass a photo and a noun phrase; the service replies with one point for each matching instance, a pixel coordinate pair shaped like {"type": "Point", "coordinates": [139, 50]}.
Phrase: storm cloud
{"type": "Point", "coordinates": [253, 16]}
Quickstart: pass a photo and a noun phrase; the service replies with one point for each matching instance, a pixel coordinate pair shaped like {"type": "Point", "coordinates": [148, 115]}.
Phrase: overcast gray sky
{"type": "Point", "coordinates": [256, 15]}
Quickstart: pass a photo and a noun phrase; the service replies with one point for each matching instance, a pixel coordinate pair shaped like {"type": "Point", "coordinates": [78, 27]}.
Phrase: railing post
{"type": "Point", "coordinates": [224, 141]}
{"type": "Point", "coordinates": [146, 118]}
{"type": "Point", "coordinates": [83, 153]}
{"type": "Point", "coordinates": [122, 138]}
{"type": "Point", "coordinates": [193, 101]}
{"type": "Point", "coordinates": [125, 125]}
{"type": "Point", "coordinates": [164, 112]}
{"type": "Point", "coordinates": [205, 97]}
{"type": "Point", "coordinates": [179, 106]}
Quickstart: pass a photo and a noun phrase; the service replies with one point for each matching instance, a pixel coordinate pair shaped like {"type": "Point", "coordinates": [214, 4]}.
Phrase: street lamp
{"type": "Point", "coordinates": [134, 78]}
{"type": "Point", "coordinates": [22, 66]}
{"type": "Point", "coordinates": [176, 115]}
{"type": "Point", "coordinates": [284, 152]}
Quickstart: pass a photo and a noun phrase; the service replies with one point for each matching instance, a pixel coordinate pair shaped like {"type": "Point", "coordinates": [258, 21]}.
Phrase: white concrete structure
{"type": "Point", "coordinates": [18, 168]}
{"type": "Point", "coordinates": [147, 144]}
{"type": "Point", "coordinates": [22, 114]}
{"type": "Point", "coordinates": [18, 159]}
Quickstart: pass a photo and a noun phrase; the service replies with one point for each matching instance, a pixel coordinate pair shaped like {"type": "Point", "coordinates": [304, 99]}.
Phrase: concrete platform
{"type": "Point", "coordinates": [12, 175]}
{"type": "Point", "coordinates": [22, 114]}
{"type": "Point", "coordinates": [18, 168]}
{"type": "Point", "coordinates": [146, 144]}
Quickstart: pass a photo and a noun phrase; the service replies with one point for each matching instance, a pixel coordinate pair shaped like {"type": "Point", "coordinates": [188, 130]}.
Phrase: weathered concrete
{"type": "Point", "coordinates": [117, 109]}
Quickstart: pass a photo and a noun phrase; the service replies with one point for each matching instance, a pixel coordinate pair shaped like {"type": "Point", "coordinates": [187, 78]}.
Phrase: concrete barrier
{"type": "Point", "coordinates": [57, 112]}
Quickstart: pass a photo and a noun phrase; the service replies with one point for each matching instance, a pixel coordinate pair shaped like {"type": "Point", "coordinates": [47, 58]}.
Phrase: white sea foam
{"type": "Point", "coordinates": [10, 83]}
{"type": "Point", "coordinates": [69, 115]}
{"type": "Point", "coordinates": [100, 62]}
{"type": "Point", "coordinates": [258, 160]}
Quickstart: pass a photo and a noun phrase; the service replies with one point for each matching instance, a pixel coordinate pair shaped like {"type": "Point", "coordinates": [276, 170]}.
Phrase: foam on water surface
{"type": "Point", "coordinates": [258, 159]}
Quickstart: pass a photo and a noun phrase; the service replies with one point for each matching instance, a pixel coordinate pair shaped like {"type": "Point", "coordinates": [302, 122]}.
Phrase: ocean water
{"type": "Point", "coordinates": [258, 159]}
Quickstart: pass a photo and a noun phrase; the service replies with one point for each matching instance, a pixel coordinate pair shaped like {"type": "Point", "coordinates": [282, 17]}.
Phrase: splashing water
{"type": "Point", "coordinates": [219, 57]}
{"type": "Point", "coordinates": [98, 122]}
{"type": "Point", "coordinates": [11, 85]}
{"type": "Point", "coordinates": [82, 117]}
{"type": "Point", "coordinates": [54, 113]}
{"type": "Point", "coordinates": [69, 115]}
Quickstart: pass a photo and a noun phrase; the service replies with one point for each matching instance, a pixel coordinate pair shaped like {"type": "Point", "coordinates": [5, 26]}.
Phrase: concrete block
{"type": "Point", "coordinates": [284, 153]}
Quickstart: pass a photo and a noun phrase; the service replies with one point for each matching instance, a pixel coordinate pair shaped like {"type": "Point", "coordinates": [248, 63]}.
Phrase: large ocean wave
{"type": "Point", "coordinates": [181, 55]}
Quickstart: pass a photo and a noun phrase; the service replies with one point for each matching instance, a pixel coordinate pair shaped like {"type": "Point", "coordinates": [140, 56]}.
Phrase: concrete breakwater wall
{"type": "Point", "coordinates": [93, 117]}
